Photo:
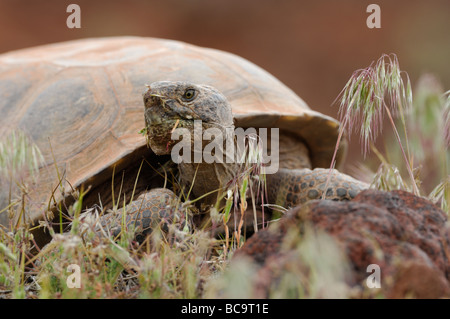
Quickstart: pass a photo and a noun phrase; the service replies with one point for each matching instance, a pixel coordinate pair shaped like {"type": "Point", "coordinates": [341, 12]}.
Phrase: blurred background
{"type": "Point", "coordinates": [311, 46]}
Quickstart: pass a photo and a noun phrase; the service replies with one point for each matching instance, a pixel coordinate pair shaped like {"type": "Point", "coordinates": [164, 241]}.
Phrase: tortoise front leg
{"type": "Point", "coordinates": [291, 187]}
{"type": "Point", "coordinates": [157, 207]}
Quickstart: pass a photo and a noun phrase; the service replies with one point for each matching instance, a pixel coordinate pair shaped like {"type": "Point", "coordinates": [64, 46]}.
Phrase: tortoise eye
{"type": "Point", "coordinates": [189, 94]}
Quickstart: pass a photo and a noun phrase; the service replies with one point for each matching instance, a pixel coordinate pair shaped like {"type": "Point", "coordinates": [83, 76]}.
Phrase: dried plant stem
{"type": "Point", "coordinates": [333, 160]}
{"type": "Point", "coordinates": [408, 166]}
{"type": "Point", "coordinates": [255, 217]}
{"type": "Point", "coordinates": [243, 208]}
{"type": "Point", "coordinates": [227, 238]}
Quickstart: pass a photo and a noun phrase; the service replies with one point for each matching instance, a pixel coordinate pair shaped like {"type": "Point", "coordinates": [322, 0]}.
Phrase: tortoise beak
{"type": "Point", "coordinates": [153, 118]}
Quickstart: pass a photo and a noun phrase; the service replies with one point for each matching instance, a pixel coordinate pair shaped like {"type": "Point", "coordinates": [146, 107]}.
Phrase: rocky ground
{"type": "Point", "coordinates": [406, 236]}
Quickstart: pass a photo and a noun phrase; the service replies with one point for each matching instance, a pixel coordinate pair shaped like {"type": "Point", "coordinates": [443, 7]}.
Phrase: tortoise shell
{"type": "Point", "coordinates": [81, 102]}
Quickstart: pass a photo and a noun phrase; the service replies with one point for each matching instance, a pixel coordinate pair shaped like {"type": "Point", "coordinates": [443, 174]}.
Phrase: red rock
{"type": "Point", "coordinates": [404, 234]}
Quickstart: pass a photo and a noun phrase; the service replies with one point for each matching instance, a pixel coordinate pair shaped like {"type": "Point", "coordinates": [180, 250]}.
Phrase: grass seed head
{"type": "Point", "coordinates": [367, 94]}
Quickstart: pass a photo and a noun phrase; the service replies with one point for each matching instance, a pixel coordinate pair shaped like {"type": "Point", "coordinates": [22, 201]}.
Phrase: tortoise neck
{"type": "Point", "coordinates": [211, 164]}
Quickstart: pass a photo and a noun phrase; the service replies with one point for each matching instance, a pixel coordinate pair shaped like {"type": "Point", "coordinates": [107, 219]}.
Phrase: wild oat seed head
{"type": "Point", "coordinates": [367, 95]}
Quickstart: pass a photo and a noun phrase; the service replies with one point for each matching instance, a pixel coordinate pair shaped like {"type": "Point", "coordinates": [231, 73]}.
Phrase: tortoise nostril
{"type": "Point", "coordinates": [148, 97]}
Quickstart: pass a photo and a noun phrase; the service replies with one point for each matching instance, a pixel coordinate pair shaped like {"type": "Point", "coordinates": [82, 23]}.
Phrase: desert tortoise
{"type": "Point", "coordinates": [81, 103]}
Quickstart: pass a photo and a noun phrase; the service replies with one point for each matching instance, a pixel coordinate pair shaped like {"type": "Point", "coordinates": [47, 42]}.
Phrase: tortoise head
{"type": "Point", "coordinates": [170, 105]}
